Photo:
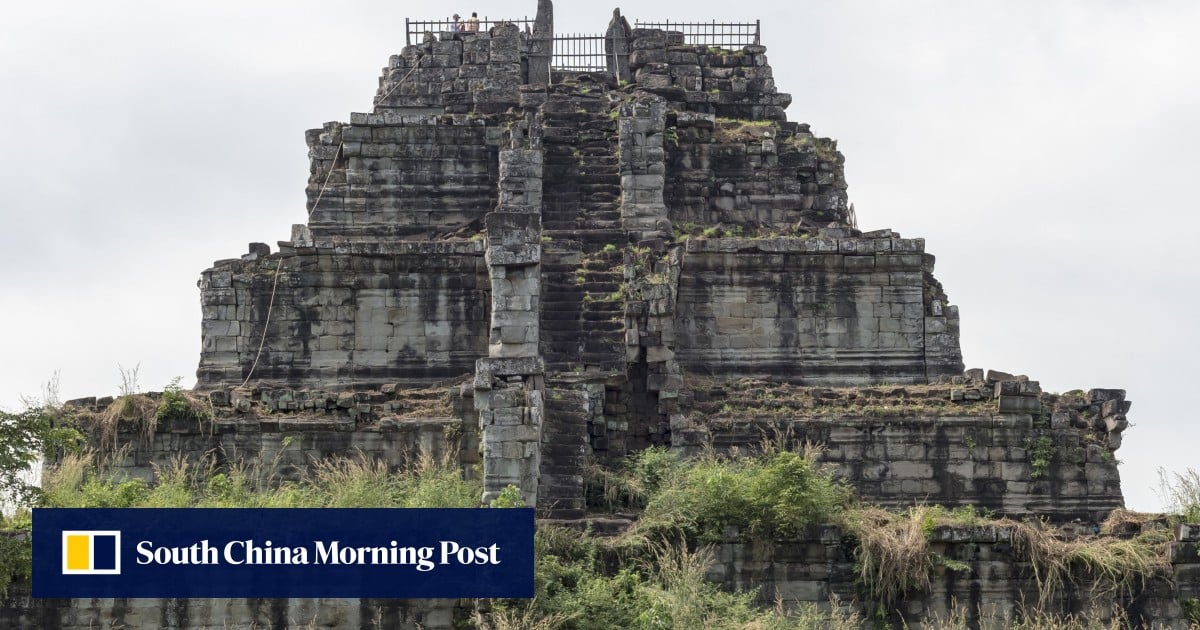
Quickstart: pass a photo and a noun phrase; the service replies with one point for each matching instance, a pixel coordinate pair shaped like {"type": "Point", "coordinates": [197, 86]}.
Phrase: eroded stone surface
{"type": "Point", "coordinates": [604, 261]}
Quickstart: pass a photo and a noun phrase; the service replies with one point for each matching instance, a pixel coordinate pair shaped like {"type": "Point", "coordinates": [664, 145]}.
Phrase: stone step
{"type": "Point", "coordinates": [589, 236]}
{"type": "Point", "coordinates": [562, 455]}
{"type": "Point", "coordinates": [565, 442]}
{"type": "Point", "coordinates": [579, 224]}
{"type": "Point", "coordinates": [567, 411]}
{"type": "Point", "coordinates": [591, 317]}
{"type": "Point", "coordinates": [607, 306]}
{"type": "Point", "coordinates": [561, 325]}
{"type": "Point", "coordinates": [562, 306]}
{"type": "Point", "coordinates": [572, 513]}
{"type": "Point", "coordinates": [562, 487]}
{"type": "Point", "coordinates": [565, 419]}
{"type": "Point", "coordinates": [588, 179]}
{"type": "Point", "coordinates": [562, 498]}
{"type": "Point", "coordinates": [568, 274]}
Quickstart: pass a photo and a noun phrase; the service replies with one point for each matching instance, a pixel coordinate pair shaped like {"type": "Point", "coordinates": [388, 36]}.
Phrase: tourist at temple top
{"type": "Point", "coordinates": [473, 23]}
{"type": "Point", "coordinates": [457, 26]}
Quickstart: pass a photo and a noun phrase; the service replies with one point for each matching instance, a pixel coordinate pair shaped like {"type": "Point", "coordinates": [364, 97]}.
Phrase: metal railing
{"type": "Point", "coordinates": [574, 52]}
{"type": "Point", "coordinates": [714, 33]}
{"type": "Point", "coordinates": [414, 30]}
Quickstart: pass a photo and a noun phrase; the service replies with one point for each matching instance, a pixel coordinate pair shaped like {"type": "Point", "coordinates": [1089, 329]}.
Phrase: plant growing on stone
{"type": "Point", "coordinates": [176, 404]}
{"type": "Point", "coordinates": [1116, 566]}
{"type": "Point", "coordinates": [671, 136]}
{"type": "Point", "coordinates": [509, 497]}
{"type": "Point", "coordinates": [1041, 453]}
{"type": "Point", "coordinates": [709, 498]}
{"type": "Point", "coordinates": [1180, 493]}
{"type": "Point", "coordinates": [1191, 611]}
{"type": "Point", "coordinates": [892, 558]}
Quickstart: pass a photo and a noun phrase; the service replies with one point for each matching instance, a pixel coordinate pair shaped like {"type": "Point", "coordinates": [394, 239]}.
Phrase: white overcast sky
{"type": "Point", "coordinates": [1047, 150]}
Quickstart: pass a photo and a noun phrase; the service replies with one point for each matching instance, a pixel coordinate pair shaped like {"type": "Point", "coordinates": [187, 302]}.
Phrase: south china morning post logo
{"type": "Point", "coordinates": [272, 553]}
{"type": "Point", "coordinates": [91, 552]}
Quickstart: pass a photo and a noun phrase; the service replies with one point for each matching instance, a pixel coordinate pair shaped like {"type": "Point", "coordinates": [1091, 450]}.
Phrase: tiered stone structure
{"type": "Point", "coordinates": [585, 264]}
{"type": "Point", "coordinates": [582, 244]}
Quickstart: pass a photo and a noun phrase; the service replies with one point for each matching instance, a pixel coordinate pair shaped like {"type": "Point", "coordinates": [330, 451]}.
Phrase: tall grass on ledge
{"type": "Point", "coordinates": [86, 480]}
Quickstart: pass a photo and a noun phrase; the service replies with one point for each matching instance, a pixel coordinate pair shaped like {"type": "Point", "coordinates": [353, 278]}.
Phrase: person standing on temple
{"type": "Point", "coordinates": [457, 26]}
{"type": "Point", "coordinates": [473, 23]}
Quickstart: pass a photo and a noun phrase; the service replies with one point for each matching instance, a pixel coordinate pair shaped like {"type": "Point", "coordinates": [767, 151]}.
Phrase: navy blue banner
{"type": "Point", "coordinates": [267, 553]}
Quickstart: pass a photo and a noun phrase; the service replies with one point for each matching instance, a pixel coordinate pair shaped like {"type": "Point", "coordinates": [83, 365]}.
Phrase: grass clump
{"type": "Point", "coordinates": [83, 480]}
{"type": "Point", "coordinates": [709, 499]}
{"type": "Point", "coordinates": [1180, 493]}
{"type": "Point", "coordinates": [1191, 611]}
{"type": "Point", "coordinates": [1114, 566]}
{"type": "Point", "coordinates": [587, 583]}
{"type": "Point", "coordinates": [892, 558]}
{"type": "Point", "coordinates": [147, 413]}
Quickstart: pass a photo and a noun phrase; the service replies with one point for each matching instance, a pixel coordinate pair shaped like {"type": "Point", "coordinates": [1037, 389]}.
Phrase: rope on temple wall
{"type": "Point", "coordinates": [262, 342]}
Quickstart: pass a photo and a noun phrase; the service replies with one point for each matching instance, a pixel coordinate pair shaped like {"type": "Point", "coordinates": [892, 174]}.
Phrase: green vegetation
{"type": "Point", "coordinates": [144, 413]}
{"type": "Point", "coordinates": [178, 405]}
{"type": "Point", "coordinates": [84, 480]}
{"type": "Point", "coordinates": [587, 583]}
{"type": "Point", "coordinates": [1181, 493]}
{"type": "Point", "coordinates": [652, 576]}
{"type": "Point", "coordinates": [1041, 453]}
{"type": "Point", "coordinates": [1191, 611]}
{"type": "Point", "coordinates": [671, 136]}
{"type": "Point", "coordinates": [776, 496]}
{"type": "Point", "coordinates": [1115, 566]}
{"type": "Point", "coordinates": [824, 148]}
{"type": "Point", "coordinates": [893, 558]}
{"type": "Point", "coordinates": [87, 479]}
{"type": "Point", "coordinates": [509, 497]}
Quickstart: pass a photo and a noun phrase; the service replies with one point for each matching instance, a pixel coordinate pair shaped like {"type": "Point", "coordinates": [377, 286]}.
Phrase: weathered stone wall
{"type": "Point", "coordinates": [995, 442]}
{"type": "Point", "coordinates": [387, 176]}
{"type": "Point", "coordinates": [815, 310]}
{"type": "Point", "coordinates": [509, 385]}
{"type": "Point", "coordinates": [729, 83]}
{"type": "Point", "coordinates": [280, 433]}
{"type": "Point", "coordinates": [463, 72]}
{"type": "Point", "coordinates": [992, 588]}
{"type": "Point", "coordinates": [755, 174]}
{"type": "Point", "coordinates": [19, 610]}
{"type": "Point", "coordinates": [343, 315]}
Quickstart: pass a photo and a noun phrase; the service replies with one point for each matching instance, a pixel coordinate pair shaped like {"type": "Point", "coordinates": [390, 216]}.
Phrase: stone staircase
{"type": "Point", "coordinates": [583, 309]}
{"type": "Point", "coordinates": [582, 320]}
{"type": "Point", "coordinates": [581, 186]}
{"type": "Point", "coordinates": [564, 452]}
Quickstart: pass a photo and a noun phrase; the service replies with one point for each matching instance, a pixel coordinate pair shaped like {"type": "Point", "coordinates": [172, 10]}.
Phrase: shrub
{"type": "Point", "coordinates": [176, 404]}
{"type": "Point", "coordinates": [774, 496]}
{"type": "Point", "coordinates": [509, 497]}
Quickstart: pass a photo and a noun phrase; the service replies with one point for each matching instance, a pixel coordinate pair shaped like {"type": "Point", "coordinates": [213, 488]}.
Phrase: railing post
{"type": "Point", "coordinates": [407, 41]}
{"type": "Point", "coordinates": [758, 32]}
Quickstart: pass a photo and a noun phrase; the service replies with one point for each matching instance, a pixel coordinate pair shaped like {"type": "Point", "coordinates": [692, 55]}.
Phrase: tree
{"type": "Point", "coordinates": [25, 437]}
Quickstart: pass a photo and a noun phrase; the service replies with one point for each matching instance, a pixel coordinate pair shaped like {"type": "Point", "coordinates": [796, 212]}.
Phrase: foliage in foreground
{"type": "Point", "coordinates": [653, 576]}
{"type": "Point", "coordinates": [773, 495]}
{"type": "Point", "coordinates": [586, 583]}
{"type": "Point", "coordinates": [77, 481]}
{"type": "Point", "coordinates": [80, 480]}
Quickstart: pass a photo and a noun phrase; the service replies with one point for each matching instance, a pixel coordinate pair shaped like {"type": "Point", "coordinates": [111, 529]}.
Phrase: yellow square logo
{"type": "Point", "coordinates": [91, 553]}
